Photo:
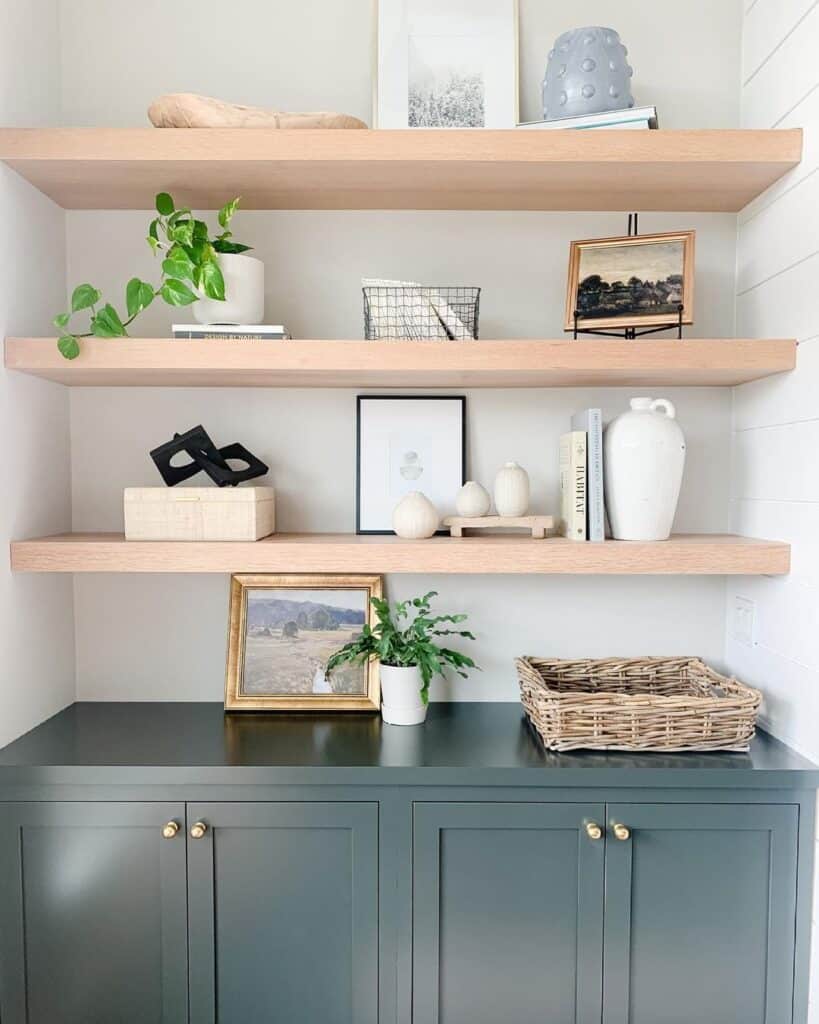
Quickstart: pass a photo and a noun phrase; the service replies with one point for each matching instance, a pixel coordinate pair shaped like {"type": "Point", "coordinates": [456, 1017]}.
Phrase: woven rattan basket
{"type": "Point", "coordinates": [636, 704]}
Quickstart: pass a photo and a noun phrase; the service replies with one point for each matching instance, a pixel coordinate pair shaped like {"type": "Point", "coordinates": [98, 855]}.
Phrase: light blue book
{"type": "Point", "coordinates": [591, 420]}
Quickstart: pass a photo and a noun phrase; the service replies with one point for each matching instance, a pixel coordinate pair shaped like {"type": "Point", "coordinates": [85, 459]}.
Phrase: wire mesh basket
{"type": "Point", "coordinates": [418, 313]}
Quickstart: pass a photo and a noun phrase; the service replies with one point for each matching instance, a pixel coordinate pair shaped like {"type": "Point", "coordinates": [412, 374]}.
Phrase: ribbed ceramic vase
{"type": "Point", "coordinates": [512, 490]}
{"type": "Point", "coordinates": [643, 460]}
{"type": "Point", "coordinates": [415, 517]}
{"type": "Point", "coordinates": [472, 500]}
{"type": "Point", "coordinates": [587, 72]}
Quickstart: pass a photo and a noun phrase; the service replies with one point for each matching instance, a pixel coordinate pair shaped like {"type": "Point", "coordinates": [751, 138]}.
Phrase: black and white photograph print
{"type": "Point", "coordinates": [282, 632]}
{"type": "Point", "coordinates": [408, 443]}
{"type": "Point", "coordinates": [447, 64]}
{"type": "Point", "coordinates": [636, 280]}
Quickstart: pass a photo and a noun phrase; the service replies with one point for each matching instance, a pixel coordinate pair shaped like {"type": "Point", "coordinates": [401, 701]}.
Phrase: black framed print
{"type": "Point", "coordinates": [407, 443]}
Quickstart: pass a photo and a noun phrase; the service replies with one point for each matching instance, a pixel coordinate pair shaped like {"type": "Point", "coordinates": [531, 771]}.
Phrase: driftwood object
{"type": "Point", "coordinates": [538, 526]}
{"type": "Point", "coordinates": [188, 110]}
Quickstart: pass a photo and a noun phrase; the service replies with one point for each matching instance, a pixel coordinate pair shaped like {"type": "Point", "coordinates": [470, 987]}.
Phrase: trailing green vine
{"type": "Point", "coordinates": [189, 265]}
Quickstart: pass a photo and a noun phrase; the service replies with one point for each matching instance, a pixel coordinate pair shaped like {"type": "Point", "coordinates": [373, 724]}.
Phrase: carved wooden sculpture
{"type": "Point", "coordinates": [188, 110]}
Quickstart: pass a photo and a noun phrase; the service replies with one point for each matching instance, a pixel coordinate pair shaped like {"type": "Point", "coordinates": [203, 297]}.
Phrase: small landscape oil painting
{"type": "Point", "coordinates": [643, 280]}
{"type": "Point", "coordinates": [282, 632]}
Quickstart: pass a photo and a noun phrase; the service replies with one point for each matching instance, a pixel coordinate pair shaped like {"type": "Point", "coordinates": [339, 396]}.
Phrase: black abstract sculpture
{"type": "Point", "coordinates": [205, 457]}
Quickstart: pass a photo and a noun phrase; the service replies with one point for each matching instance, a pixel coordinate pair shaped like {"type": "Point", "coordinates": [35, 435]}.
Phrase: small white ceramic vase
{"type": "Point", "coordinates": [244, 293]}
{"type": "Point", "coordinates": [644, 456]}
{"type": "Point", "coordinates": [472, 500]}
{"type": "Point", "coordinates": [512, 490]}
{"type": "Point", "coordinates": [401, 702]}
{"type": "Point", "coordinates": [415, 517]}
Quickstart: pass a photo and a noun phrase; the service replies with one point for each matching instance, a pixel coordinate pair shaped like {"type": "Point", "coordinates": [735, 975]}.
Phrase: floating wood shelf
{"type": "Point", "coordinates": [427, 364]}
{"type": "Point", "coordinates": [694, 554]}
{"type": "Point", "coordinates": [123, 168]}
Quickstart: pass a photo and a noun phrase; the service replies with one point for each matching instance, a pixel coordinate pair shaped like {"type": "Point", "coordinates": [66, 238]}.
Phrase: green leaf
{"type": "Point", "coordinates": [223, 245]}
{"type": "Point", "coordinates": [182, 232]}
{"type": "Point", "coordinates": [213, 284]}
{"type": "Point", "coordinates": [164, 204]}
{"type": "Point", "coordinates": [178, 265]}
{"type": "Point", "coordinates": [177, 215]}
{"type": "Point", "coordinates": [61, 319]}
{"type": "Point", "coordinates": [84, 296]}
{"type": "Point", "coordinates": [200, 231]}
{"type": "Point", "coordinates": [175, 293]}
{"type": "Point", "coordinates": [107, 324]}
{"type": "Point", "coordinates": [153, 242]}
{"type": "Point", "coordinates": [153, 229]}
{"type": "Point", "coordinates": [227, 212]}
{"type": "Point", "coordinates": [138, 296]}
{"type": "Point", "coordinates": [69, 346]}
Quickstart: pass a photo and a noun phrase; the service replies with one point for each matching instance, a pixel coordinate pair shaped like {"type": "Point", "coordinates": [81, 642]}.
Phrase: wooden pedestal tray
{"type": "Point", "coordinates": [537, 524]}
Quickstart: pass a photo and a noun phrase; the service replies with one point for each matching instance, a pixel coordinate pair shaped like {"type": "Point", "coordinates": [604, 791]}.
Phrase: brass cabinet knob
{"type": "Point", "coordinates": [198, 830]}
{"type": "Point", "coordinates": [170, 829]}
{"type": "Point", "coordinates": [621, 832]}
{"type": "Point", "coordinates": [593, 830]}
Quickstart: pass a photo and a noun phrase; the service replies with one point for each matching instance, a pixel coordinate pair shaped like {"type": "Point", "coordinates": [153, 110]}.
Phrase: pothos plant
{"type": "Point", "coordinates": [188, 262]}
{"type": "Point", "coordinates": [405, 638]}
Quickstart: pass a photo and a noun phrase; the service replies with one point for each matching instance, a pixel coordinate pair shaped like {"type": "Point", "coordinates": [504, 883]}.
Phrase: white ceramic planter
{"type": "Point", "coordinates": [643, 457]}
{"type": "Point", "coordinates": [472, 500]}
{"type": "Point", "coordinates": [244, 293]}
{"type": "Point", "coordinates": [415, 517]}
{"type": "Point", "coordinates": [512, 490]}
{"type": "Point", "coordinates": [401, 702]}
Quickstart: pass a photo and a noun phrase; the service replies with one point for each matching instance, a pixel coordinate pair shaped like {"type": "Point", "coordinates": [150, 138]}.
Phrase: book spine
{"type": "Point", "coordinates": [211, 335]}
{"type": "Point", "coordinates": [594, 472]}
{"type": "Point", "coordinates": [573, 484]}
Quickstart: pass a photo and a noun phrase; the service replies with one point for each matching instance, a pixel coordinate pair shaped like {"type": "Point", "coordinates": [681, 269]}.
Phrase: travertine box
{"type": "Point", "coordinates": [199, 513]}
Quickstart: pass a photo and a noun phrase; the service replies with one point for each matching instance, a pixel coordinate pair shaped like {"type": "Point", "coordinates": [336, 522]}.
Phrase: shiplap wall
{"type": "Point", "coordinates": [775, 448]}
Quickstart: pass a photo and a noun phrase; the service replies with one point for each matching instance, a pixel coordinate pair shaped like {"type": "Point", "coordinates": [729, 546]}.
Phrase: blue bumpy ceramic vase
{"type": "Point", "coordinates": [587, 73]}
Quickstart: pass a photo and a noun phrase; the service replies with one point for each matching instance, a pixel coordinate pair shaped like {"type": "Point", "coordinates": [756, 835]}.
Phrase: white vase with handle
{"type": "Point", "coordinates": [244, 293]}
{"type": "Point", "coordinates": [401, 702]}
{"type": "Point", "coordinates": [644, 457]}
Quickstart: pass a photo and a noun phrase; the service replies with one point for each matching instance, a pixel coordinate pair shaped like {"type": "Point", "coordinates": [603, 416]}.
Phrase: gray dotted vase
{"type": "Point", "coordinates": [587, 73]}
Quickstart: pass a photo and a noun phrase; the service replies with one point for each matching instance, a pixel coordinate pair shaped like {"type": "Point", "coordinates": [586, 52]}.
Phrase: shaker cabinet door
{"type": "Point", "coordinates": [92, 914]}
{"type": "Point", "coordinates": [508, 913]}
{"type": "Point", "coordinates": [700, 914]}
{"type": "Point", "coordinates": [283, 912]}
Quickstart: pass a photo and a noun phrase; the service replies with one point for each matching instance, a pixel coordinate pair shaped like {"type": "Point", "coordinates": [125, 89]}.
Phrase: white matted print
{"type": "Point", "coordinates": [407, 444]}
{"type": "Point", "coordinates": [447, 64]}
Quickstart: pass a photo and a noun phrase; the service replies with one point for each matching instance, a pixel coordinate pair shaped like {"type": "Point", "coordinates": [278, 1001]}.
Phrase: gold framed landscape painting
{"type": "Point", "coordinates": [281, 632]}
{"type": "Point", "coordinates": [631, 281]}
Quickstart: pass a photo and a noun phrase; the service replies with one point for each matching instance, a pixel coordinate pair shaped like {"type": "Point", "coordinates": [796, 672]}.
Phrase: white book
{"type": "Point", "coordinates": [638, 117]}
{"type": "Point", "coordinates": [275, 331]}
{"type": "Point", "coordinates": [573, 484]}
{"type": "Point", "coordinates": [591, 421]}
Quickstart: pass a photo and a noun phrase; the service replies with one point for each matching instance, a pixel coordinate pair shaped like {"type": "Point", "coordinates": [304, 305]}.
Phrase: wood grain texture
{"type": "Point", "coordinates": [692, 554]}
{"type": "Point", "coordinates": [123, 168]}
{"type": "Point", "coordinates": [162, 362]}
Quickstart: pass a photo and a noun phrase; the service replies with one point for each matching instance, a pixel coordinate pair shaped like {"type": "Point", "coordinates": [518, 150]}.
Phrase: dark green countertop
{"type": "Point", "coordinates": [460, 744]}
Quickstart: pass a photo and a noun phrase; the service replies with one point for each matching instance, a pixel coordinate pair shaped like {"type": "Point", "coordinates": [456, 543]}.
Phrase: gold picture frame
{"type": "Point", "coordinates": [617, 261]}
{"type": "Point", "coordinates": [282, 646]}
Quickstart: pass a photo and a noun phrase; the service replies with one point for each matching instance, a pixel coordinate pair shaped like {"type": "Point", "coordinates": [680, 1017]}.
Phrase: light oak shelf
{"type": "Point", "coordinates": [477, 169]}
{"type": "Point", "coordinates": [693, 554]}
{"type": "Point", "coordinates": [426, 364]}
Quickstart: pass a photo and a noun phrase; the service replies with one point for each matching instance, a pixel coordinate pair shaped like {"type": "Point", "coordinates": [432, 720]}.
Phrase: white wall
{"type": "Point", "coordinates": [36, 613]}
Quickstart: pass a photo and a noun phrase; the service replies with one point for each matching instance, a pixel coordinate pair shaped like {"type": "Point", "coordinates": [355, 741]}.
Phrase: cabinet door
{"type": "Point", "coordinates": [283, 911]}
{"type": "Point", "coordinates": [508, 913]}
{"type": "Point", "coordinates": [92, 914]}
{"type": "Point", "coordinates": [700, 914]}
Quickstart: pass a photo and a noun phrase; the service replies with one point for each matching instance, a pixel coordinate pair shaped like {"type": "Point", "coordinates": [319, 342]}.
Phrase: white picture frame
{"type": "Point", "coordinates": [407, 443]}
{"type": "Point", "coordinates": [446, 64]}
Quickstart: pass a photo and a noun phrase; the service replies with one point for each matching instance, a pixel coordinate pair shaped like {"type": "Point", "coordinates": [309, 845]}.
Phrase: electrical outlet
{"type": "Point", "coordinates": [743, 620]}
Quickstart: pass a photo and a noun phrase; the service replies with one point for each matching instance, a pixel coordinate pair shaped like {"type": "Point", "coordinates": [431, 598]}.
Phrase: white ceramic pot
{"type": "Point", "coordinates": [244, 293]}
{"type": "Point", "coordinates": [401, 702]}
{"type": "Point", "coordinates": [472, 500]}
{"type": "Point", "coordinates": [643, 456]}
{"type": "Point", "coordinates": [415, 517]}
{"type": "Point", "coordinates": [512, 490]}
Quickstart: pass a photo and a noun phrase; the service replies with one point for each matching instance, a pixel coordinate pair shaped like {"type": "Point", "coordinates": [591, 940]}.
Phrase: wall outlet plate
{"type": "Point", "coordinates": [743, 621]}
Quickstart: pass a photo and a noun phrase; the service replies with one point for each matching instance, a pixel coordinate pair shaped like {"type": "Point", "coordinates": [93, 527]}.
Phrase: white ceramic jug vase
{"type": "Point", "coordinates": [643, 459]}
{"type": "Point", "coordinates": [512, 490]}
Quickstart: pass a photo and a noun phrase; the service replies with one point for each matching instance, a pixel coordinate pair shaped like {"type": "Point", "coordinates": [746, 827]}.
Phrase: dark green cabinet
{"type": "Point", "coordinates": [93, 910]}
{"type": "Point", "coordinates": [283, 904]}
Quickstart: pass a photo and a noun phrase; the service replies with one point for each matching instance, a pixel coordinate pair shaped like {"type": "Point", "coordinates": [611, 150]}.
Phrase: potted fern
{"type": "Point", "coordinates": [404, 639]}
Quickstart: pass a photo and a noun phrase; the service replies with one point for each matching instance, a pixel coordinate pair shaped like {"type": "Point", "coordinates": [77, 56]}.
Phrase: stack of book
{"type": "Point", "coordinates": [234, 332]}
{"type": "Point", "coordinates": [631, 117]}
{"type": "Point", "coordinates": [581, 478]}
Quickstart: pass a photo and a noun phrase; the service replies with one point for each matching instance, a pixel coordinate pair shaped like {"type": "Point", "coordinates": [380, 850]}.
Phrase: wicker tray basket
{"type": "Point", "coordinates": [636, 704]}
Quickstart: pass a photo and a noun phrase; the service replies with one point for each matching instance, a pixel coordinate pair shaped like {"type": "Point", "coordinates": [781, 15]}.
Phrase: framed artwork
{"type": "Point", "coordinates": [633, 281]}
{"type": "Point", "coordinates": [446, 64]}
{"type": "Point", "coordinates": [282, 631]}
{"type": "Point", "coordinates": [407, 443]}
